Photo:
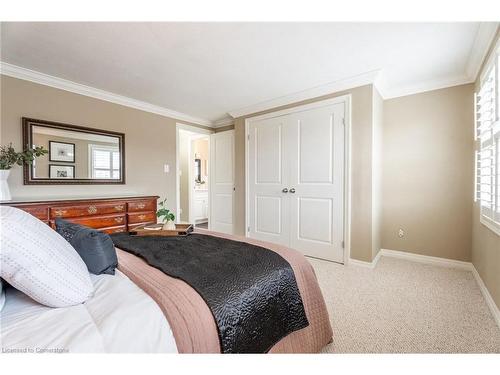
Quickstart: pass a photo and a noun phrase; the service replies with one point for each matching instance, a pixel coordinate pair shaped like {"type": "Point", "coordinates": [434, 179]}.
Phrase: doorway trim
{"type": "Point", "coordinates": [192, 129]}
{"type": "Point", "coordinates": [346, 99]}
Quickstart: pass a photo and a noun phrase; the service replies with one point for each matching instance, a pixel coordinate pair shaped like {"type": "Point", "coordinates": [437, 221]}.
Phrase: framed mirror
{"type": "Point", "coordinates": [77, 155]}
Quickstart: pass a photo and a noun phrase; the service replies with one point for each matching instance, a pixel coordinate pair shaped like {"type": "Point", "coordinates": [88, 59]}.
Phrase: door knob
{"type": "Point", "coordinates": [285, 190]}
{"type": "Point", "coordinates": [292, 190]}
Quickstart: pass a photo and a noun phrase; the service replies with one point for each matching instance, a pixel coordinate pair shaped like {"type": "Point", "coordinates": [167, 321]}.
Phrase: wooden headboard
{"type": "Point", "coordinates": [111, 215]}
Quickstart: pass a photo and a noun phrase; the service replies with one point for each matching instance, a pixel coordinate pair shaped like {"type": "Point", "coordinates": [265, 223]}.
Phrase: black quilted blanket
{"type": "Point", "coordinates": [251, 291]}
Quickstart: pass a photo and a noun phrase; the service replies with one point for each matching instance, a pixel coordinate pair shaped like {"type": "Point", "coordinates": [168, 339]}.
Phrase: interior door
{"type": "Point", "coordinates": [316, 183]}
{"type": "Point", "coordinates": [267, 179]}
{"type": "Point", "coordinates": [221, 179]}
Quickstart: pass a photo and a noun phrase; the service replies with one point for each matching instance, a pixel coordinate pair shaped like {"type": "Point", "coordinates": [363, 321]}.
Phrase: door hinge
{"type": "Point", "coordinates": [248, 229]}
{"type": "Point", "coordinates": [343, 121]}
{"type": "Point", "coordinates": [248, 137]}
{"type": "Point", "coordinates": [342, 244]}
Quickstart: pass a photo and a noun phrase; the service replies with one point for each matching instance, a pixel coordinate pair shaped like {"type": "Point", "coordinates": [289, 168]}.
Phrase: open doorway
{"type": "Point", "coordinates": [193, 176]}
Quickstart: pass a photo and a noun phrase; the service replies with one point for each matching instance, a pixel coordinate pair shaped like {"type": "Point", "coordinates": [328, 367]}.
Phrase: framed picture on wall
{"type": "Point", "coordinates": [62, 151]}
{"type": "Point", "coordinates": [61, 171]}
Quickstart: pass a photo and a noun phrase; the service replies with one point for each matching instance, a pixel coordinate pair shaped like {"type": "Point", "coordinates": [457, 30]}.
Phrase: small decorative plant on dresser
{"type": "Point", "coordinates": [9, 157]}
{"type": "Point", "coordinates": [168, 216]}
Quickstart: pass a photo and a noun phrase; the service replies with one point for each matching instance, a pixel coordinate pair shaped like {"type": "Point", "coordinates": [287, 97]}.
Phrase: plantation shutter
{"type": "Point", "coordinates": [488, 154]}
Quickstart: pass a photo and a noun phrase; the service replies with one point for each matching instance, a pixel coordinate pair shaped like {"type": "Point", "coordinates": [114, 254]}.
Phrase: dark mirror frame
{"type": "Point", "coordinates": [197, 162]}
{"type": "Point", "coordinates": [27, 126]}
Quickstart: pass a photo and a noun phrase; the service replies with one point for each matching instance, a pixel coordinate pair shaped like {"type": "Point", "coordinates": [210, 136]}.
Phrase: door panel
{"type": "Point", "coordinates": [265, 223]}
{"type": "Point", "coordinates": [320, 228]}
{"type": "Point", "coordinates": [222, 182]}
{"type": "Point", "coordinates": [315, 145]}
{"type": "Point", "coordinates": [268, 145]}
{"type": "Point", "coordinates": [303, 153]}
{"type": "Point", "coordinates": [268, 215]}
{"type": "Point", "coordinates": [317, 175]}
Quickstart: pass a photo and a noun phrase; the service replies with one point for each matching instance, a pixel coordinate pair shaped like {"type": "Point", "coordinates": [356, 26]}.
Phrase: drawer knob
{"type": "Point", "coordinates": [119, 207]}
{"type": "Point", "coordinates": [141, 205]}
{"type": "Point", "coordinates": [142, 217]}
{"type": "Point", "coordinates": [60, 212]}
{"type": "Point", "coordinates": [92, 209]}
{"type": "Point", "coordinates": [118, 219]}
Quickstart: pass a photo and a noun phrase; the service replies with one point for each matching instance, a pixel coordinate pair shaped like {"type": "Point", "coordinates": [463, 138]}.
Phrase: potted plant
{"type": "Point", "coordinates": [168, 216]}
{"type": "Point", "coordinates": [8, 158]}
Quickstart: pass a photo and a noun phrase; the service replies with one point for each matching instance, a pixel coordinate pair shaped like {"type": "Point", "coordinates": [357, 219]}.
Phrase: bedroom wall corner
{"type": "Point", "coordinates": [361, 169]}
{"type": "Point", "coordinates": [427, 183]}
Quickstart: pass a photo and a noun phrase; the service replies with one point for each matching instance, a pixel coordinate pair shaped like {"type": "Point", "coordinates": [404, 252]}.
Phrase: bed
{"type": "Point", "coordinates": [192, 322]}
{"type": "Point", "coordinates": [161, 313]}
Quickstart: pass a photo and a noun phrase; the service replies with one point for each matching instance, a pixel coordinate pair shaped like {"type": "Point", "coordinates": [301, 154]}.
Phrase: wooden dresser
{"type": "Point", "coordinates": [111, 215]}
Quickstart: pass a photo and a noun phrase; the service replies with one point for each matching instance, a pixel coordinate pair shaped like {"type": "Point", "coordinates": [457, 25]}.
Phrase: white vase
{"type": "Point", "coordinates": [169, 225]}
{"type": "Point", "coordinates": [4, 186]}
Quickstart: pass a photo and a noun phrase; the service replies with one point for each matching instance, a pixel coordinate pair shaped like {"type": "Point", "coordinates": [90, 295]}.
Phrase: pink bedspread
{"type": "Point", "coordinates": [192, 322]}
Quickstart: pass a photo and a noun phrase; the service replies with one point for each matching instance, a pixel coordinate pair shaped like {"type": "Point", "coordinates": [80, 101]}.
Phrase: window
{"type": "Point", "coordinates": [104, 162]}
{"type": "Point", "coordinates": [487, 105]}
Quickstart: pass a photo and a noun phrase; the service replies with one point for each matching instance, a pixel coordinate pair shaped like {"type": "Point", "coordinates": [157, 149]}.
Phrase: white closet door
{"type": "Point", "coordinates": [222, 182]}
{"type": "Point", "coordinates": [316, 183]}
{"type": "Point", "coordinates": [267, 177]}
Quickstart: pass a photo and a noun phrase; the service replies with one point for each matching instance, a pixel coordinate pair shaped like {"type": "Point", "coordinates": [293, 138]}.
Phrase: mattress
{"type": "Point", "coordinates": [119, 318]}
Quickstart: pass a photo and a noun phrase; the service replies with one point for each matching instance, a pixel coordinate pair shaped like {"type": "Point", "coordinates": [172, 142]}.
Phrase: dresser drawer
{"type": "Point", "coordinates": [98, 222]}
{"type": "Point", "coordinates": [142, 217]}
{"type": "Point", "coordinates": [87, 210]}
{"type": "Point", "coordinates": [144, 205]}
{"type": "Point", "coordinates": [120, 229]}
{"type": "Point", "coordinates": [39, 212]}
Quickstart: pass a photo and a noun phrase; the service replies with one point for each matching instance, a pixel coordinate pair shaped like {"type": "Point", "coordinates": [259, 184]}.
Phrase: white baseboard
{"type": "Point", "coordinates": [361, 263]}
{"type": "Point", "coordinates": [443, 262]}
{"type": "Point", "coordinates": [487, 296]}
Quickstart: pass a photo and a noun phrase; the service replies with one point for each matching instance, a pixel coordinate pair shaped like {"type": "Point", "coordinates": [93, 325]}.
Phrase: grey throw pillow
{"type": "Point", "coordinates": [96, 248]}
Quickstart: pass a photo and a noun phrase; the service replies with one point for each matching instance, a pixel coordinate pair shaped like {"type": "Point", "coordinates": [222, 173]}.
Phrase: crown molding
{"type": "Point", "coordinates": [396, 92]}
{"type": "Point", "coordinates": [77, 88]}
{"type": "Point", "coordinates": [227, 121]}
{"type": "Point", "coordinates": [484, 37]}
{"type": "Point", "coordinates": [375, 77]}
{"type": "Point", "coordinates": [331, 87]}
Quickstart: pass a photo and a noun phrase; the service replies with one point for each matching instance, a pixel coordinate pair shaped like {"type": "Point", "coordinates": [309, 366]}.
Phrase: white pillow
{"type": "Point", "coordinates": [35, 259]}
{"type": "Point", "coordinates": [2, 295]}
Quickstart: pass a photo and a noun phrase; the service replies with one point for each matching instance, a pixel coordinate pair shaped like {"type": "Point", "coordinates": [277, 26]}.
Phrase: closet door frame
{"type": "Point", "coordinates": [346, 99]}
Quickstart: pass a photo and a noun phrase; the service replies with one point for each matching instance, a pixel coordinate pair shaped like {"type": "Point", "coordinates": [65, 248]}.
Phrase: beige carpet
{"type": "Point", "coordinates": [405, 307]}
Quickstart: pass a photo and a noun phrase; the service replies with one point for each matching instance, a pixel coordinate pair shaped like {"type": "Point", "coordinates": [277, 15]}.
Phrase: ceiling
{"type": "Point", "coordinates": [210, 70]}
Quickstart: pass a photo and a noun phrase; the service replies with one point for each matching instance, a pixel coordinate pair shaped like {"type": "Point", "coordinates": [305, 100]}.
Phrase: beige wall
{"type": "Point", "coordinates": [361, 161]}
{"type": "Point", "coordinates": [486, 243]}
{"type": "Point", "coordinates": [149, 139]}
{"type": "Point", "coordinates": [428, 173]}
{"type": "Point", "coordinates": [377, 147]}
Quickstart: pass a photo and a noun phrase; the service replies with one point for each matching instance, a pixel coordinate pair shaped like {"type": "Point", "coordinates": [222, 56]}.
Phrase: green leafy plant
{"type": "Point", "coordinates": [165, 212]}
{"type": "Point", "coordinates": [9, 157]}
